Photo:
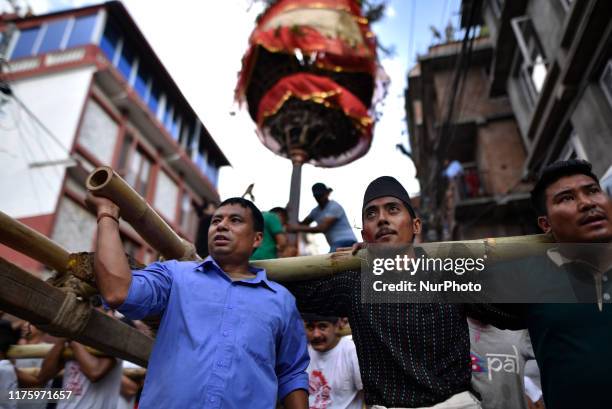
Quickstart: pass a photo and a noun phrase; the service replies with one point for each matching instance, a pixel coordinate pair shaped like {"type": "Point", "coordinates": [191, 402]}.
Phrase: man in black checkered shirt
{"type": "Point", "coordinates": [410, 355]}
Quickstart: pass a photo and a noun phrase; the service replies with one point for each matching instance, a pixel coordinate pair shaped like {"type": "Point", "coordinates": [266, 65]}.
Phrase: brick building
{"type": "Point", "coordinates": [553, 59]}
{"type": "Point", "coordinates": [536, 88]}
{"type": "Point", "coordinates": [469, 167]}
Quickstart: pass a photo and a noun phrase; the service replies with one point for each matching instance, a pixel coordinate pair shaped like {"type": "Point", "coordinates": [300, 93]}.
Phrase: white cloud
{"type": "Point", "coordinates": [390, 11]}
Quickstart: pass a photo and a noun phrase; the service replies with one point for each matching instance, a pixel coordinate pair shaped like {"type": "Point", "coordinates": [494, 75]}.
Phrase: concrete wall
{"type": "Point", "coordinates": [592, 121]}
{"type": "Point", "coordinates": [57, 100]}
{"type": "Point", "coordinates": [166, 196]}
{"type": "Point", "coordinates": [523, 111]}
{"type": "Point", "coordinates": [547, 17]}
{"type": "Point", "coordinates": [491, 20]}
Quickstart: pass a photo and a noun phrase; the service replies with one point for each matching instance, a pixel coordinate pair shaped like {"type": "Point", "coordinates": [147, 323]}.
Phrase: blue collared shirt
{"type": "Point", "coordinates": [221, 343]}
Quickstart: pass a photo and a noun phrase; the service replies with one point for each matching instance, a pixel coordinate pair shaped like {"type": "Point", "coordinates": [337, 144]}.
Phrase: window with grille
{"type": "Point", "coordinates": [533, 67]}
{"type": "Point", "coordinates": [606, 81]}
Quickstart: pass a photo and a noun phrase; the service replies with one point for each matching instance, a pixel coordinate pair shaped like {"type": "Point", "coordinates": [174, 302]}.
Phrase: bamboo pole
{"type": "Point", "coordinates": [31, 299]}
{"type": "Point", "coordinates": [324, 265]}
{"type": "Point", "coordinates": [133, 373]}
{"type": "Point", "coordinates": [103, 181]}
{"type": "Point", "coordinates": [41, 350]}
{"type": "Point", "coordinates": [28, 241]}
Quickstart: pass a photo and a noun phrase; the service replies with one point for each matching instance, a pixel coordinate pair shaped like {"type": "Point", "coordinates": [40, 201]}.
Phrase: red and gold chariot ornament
{"type": "Point", "coordinates": [308, 79]}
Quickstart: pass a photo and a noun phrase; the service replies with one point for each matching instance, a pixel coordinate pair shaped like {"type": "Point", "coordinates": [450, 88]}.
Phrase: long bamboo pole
{"type": "Point", "coordinates": [103, 181]}
{"type": "Point", "coordinates": [312, 267]}
{"type": "Point", "coordinates": [28, 241]}
{"type": "Point", "coordinates": [41, 350]}
{"type": "Point", "coordinates": [134, 373]}
{"type": "Point", "coordinates": [31, 299]}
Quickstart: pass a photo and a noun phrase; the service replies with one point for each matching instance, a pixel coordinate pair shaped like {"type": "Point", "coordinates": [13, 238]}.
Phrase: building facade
{"type": "Point", "coordinates": [553, 59]}
{"type": "Point", "coordinates": [532, 89]}
{"type": "Point", "coordinates": [83, 88]}
{"type": "Point", "coordinates": [468, 161]}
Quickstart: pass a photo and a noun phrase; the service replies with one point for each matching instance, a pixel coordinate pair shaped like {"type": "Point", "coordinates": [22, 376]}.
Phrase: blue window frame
{"type": "Point", "coordinates": [214, 175]}
{"type": "Point", "coordinates": [186, 135]}
{"type": "Point", "coordinates": [200, 162]}
{"type": "Point", "coordinates": [82, 31]}
{"type": "Point", "coordinates": [175, 128]}
{"type": "Point", "coordinates": [109, 41]}
{"type": "Point", "coordinates": [167, 118]}
{"type": "Point", "coordinates": [53, 36]}
{"type": "Point", "coordinates": [153, 101]}
{"type": "Point", "coordinates": [140, 83]}
{"type": "Point", "coordinates": [126, 61]}
{"type": "Point", "coordinates": [25, 43]}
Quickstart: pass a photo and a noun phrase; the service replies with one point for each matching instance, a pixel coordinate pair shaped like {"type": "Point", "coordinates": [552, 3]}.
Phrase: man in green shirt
{"type": "Point", "coordinates": [274, 238]}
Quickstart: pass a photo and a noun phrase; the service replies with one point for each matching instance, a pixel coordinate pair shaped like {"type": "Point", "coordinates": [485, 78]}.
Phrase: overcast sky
{"type": "Point", "coordinates": [201, 43]}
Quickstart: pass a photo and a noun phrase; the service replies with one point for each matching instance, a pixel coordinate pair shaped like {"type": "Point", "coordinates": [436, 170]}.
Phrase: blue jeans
{"type": "Point", "coordinates": [341, 243]}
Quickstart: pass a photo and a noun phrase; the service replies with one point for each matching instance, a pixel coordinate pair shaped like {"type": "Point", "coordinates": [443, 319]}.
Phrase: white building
{"type": "Point", "coordinates": [85, 90]}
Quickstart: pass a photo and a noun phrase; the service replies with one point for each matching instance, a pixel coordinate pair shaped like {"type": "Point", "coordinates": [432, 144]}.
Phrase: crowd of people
{"type": "Point", "coordinates": [94, 381]}
{"type": "Point", "coordinates": [231, 338]}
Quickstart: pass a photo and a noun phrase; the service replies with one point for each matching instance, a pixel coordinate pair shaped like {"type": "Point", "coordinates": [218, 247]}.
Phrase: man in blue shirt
{"type": "Point", "coordinates": [228, 338]}
{"type": "Point", "coordinates": [331, 220]}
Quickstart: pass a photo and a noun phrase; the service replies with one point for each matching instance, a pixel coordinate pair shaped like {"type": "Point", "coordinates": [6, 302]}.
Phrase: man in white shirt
{"type": "Point", "coordinates": [333, 373]}
{"type": "Point", "coordinates": [94, 380]}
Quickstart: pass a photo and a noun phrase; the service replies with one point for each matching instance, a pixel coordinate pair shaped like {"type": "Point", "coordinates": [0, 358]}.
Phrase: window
{"type": "Point", "coordinates": [25, 43]}
{"type": "Point", "coordinates": [98, 133]}
{"type": "Point", "coordinates": [109, 41]}
{"type": "Point", "coordinates": [124, 155]}
{"type": "Point", "coordinates": [153, 101]}
{"type": "Point", "coordinates": [194, 142]}
{"type": "Point", "coordinates": [498, 7]}
{"type": "Point", "coordinates": [167, 119]}
{"type": "Point", "coordinates": [134, 165]}
{"type": "Point", "coordinates": [141, 83]}
{"type": "Point", "coordinates": [82, 31]}
{"type": "Point", "coordinates": [175, 128]}
{"type": "Point", "coordinates": [606, 81]}
{"type": "Point", "coordinates": [53, 37]}
{"type": "Point", "coordinates": [532, 68]}
{"type": "Point", "coordinates": [188, 217]}
{"type": "Point", "coordinates": [166, 196]}
{"type": "Point", "coordinates": [125, 61]}
{"type": "Point", "coordinates": [185, 135]}
{"type": "Point", "coordinates": [208, 168]}
{"type": "Point", "coordinates": [139, 172]}
{"type": "Point", "coordinates": [213, 174]}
